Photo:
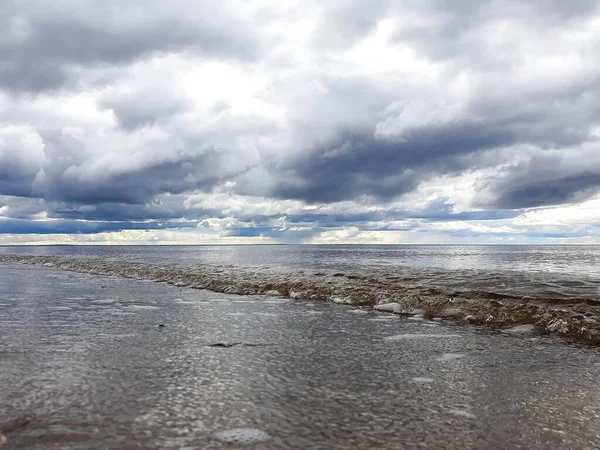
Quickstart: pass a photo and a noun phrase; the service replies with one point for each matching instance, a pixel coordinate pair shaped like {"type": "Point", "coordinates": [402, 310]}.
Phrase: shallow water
{"type": "Point", "coordinates": [84, 365]}
{"type": "Point", "coordinates": [556, 289]}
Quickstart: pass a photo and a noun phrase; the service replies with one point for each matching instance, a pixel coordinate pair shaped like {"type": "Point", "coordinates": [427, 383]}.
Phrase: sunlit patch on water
{"type": "Point", "coordinates": [242, 436]}
{"type": "Point", "coordinates": [462, 413]}
{"type": "Point", "coordinates": [411, 336]}
{"type": "Point", "coordinates": [450, 357]}
{"type": "Point", "coordinates": [421, 380]}
{"type": "Point", "coordinates": [140, 307]}
{"type": "Point", "coordinates": [383, 319]}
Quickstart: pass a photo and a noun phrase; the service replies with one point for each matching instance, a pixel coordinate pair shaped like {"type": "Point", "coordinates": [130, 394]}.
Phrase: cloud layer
{"type": "Point", "coordinates": [359, 121]}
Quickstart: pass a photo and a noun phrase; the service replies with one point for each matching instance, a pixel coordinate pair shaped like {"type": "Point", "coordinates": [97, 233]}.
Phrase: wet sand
{"type": "Point", "coordinates": [84, 364]}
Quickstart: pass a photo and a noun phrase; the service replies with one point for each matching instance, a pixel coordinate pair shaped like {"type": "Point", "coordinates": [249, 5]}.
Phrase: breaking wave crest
{"type": "Point", "coordinates": [551, 312]}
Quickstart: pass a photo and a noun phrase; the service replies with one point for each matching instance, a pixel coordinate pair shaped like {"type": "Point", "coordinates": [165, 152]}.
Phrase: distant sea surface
{"type": "Point", "coordinates": [556, 289]}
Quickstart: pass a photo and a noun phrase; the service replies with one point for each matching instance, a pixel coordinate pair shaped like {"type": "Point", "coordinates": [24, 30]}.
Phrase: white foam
{"type": "Point", "coordinates": [421, 380]}
{"type": "Point", "coordinates": [105, 301]}
{"type": "Point", "coordinates": [242, 436]}
{"type": "Point", "coordinates": [265, 314]}
{"type": "Point", "coordinates": [59, 308]}
{"type": "Point", "coordinates": [141, 307]}
{"type": "Point", "coordinates": [417, 318]}
{"type": "Point", "coordinates": [387, 307]}
{"type": "Point", "coordinates": [273, 293]}
{"type": "Point", "coordinates": [411, 336]}
{"type": "Point", "coordinates": [450, 357]}
{"type": "Point", "coordinates": [276, 302]}
{"type": "Point", "coordinates": [358, 311]}
{"type": "Point", "coordinates": [183, 302]}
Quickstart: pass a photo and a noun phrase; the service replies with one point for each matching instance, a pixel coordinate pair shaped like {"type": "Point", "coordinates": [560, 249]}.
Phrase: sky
{"type": "Point", "coordinates": [299, 121]}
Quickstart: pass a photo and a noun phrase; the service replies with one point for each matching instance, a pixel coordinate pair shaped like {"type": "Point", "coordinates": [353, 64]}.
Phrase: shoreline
{"type": "Point", "coordinates": [496, 311]}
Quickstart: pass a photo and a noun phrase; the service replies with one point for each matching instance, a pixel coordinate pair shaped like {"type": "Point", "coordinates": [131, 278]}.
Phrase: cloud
{"type": "Point", "coordinates": [542, 178]}
{"type": "Point", "coordinates": [42, 43]}
{"type": "Point", "coordinates": [352, 121]}
{"type": "Point", "coordinates": [21, 153]}
{"type": "Point", "coordinates": [364, 165]}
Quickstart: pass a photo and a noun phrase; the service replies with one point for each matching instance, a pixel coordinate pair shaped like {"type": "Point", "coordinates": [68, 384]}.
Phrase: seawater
{"type": "Point", "coordinates": [554, 288]}
{"type": "Point", "coordinates": [85, 365]}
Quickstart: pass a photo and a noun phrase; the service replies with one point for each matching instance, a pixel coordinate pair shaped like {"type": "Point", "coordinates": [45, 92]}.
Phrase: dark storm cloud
{"type": "Point", "coordinates": [560, 190]}
{"type": "Point", "coordinates": [16, 226]}
{"type": "Point", "coordinates": [136, 185]}
{"type": "Point", "coordinates": [554, 119]}
{"type": "Point", "coordinates": [362, 164]}
{"type": "Point", "coordinates": [40, 41]}
{"type": "Point", "coordinates": [15, 180]}
{"type": "Point", "coordinates": [20, 160]}
{"type": "Point", "coordinates": [120, 211]}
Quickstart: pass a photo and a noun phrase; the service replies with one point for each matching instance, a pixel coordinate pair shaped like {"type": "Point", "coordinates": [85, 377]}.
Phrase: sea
{"type": "Point", "coordinates": [299, 347]}
{"type": "Point", "coordinates": [555, 289]}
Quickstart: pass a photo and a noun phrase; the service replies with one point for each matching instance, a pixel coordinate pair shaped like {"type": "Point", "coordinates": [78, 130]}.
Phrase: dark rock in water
{"type": "Point", "coordinates": [161, 325]}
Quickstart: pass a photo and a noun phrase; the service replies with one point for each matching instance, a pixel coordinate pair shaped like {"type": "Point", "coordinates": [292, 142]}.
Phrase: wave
{"type": "Point", "coordinates": [546, 310]}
